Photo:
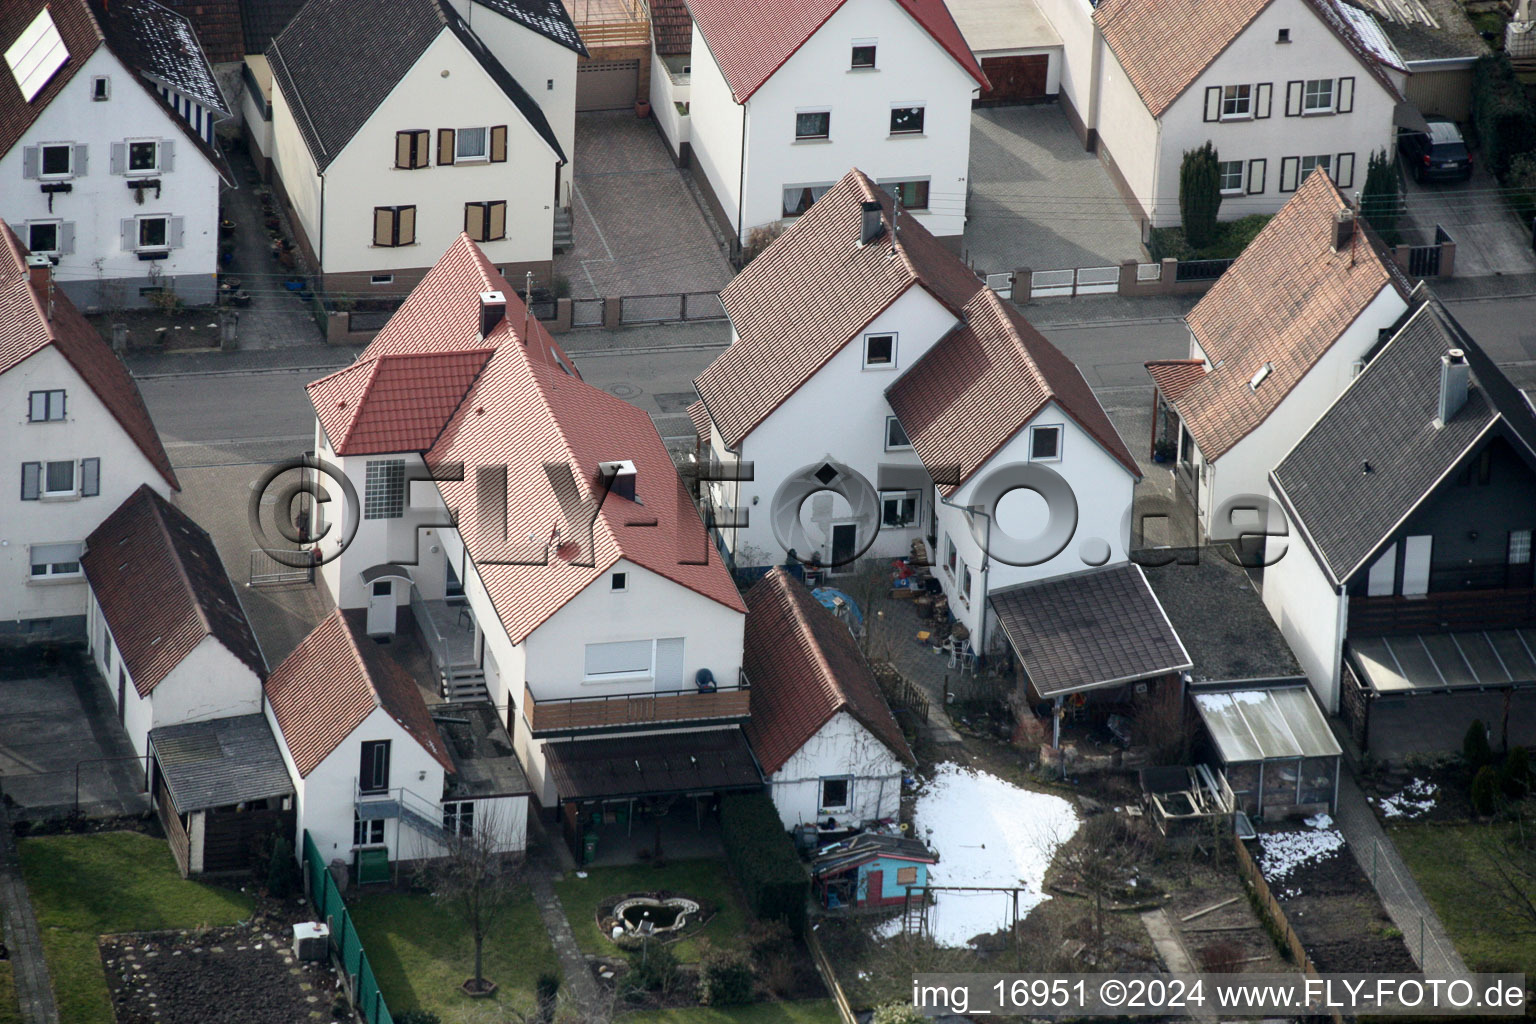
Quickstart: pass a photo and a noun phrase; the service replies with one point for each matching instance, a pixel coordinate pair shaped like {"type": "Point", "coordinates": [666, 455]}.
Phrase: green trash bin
{"type": "Point", "coordinates": [588, 847]}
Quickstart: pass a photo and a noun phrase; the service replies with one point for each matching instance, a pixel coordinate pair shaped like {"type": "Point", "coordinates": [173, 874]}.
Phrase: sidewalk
{"type": "Point", "coordinates": [545, 864]}
{"type": "Point", "coordinates": [34, 991]}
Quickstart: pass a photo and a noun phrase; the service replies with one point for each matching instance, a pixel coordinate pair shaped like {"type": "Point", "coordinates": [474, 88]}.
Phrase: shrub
{"type": "Point", "coordinates": [545, 989]}
{"type": "Point", "coordinates": [1474, 747]}
{"type": "Point", "coordinates": [763, 858]}
{"type": "Point", "coordinates": [1380, 202]}
{"type": "Point", "coordinates": [653, 968]}
{"type": "Point", "coordinates": [725, 977]}
{"type": "Point", "coordinates": [897, 1013]}
{"type": "Point", "coordinates": [1501, 112]}
{"type": "Point", "coordinates": [1515, 777]}
{"type": "Point", "coordinates": [771, 948]}
{"type": "Point", "coordinates": [1486, 794]}
{"type": "Point", "coordinates": [759, 239]}
{"type": "Point", "coordinates": [282, 870]}
{"type": "Point", "coordinates": [1200, 194]}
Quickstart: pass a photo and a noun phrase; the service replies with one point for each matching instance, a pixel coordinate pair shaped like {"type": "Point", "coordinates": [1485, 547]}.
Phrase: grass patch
{"type": "Point", "coordinates": [1232, 237]}
{"type": "Point", "coordinates": [698, 879]}
{"type": "Point", "coordinates": [102, 884]}
{"type": "Point", "coordinates": [1445, 862]}
{"type": "Point", "coordinates": [422, 952]}
{"type": "Point", "coordinates": [809, 1011]}
{"type": "Point", "coordinates": [10, 1010]}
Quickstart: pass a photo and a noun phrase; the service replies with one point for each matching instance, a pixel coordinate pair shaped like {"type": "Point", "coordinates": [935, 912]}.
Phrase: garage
{"type": "Point", "coordinates": [1015, 79]}
{"type": "Point", "coordinates": [607, 85]}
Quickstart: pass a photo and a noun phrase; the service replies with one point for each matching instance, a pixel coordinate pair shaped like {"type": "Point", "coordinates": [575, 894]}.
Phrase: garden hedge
{"type": "Point", "coordinates": [1505, 122]}
{"type": "Point", "coordinates": [763, 858]}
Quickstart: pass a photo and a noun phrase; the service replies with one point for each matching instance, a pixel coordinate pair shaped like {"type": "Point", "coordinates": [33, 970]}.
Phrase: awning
{"type": "Point", "coordinates": [1407, 115]}
{"type": "Point", "coordinates": [1442, 661]}
{"type": "Point", "coordinates": [652, 765]}
{"type": "Point", "coordinates": [387, 571]}
{"type": "Point", "coordinates": [1089, 630]}
{"type": "Point", "coordinates": [1264, 725]}
{"type": "Point", "coordinates": [220, 762]}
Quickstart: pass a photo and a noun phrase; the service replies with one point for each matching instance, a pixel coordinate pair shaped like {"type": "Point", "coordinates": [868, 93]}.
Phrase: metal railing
{"type": "Point", "coordinates": [575, 714]}
{"type": "Point", "coordinates": [268, 571]}
{"type": "Point", "coordinates": [673, 308]}
{"type": "Point", "coordinates": [1201, 270]}
{"type": "Point", "coordinates": [586, 312]}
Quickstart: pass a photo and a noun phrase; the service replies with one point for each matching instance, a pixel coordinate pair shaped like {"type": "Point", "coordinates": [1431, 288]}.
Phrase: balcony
{"type": "Point", "coordinates": [605, 24]}
{"type": "Point", "coordinates": [569, 715]}
{"type": "Point", "coordinates": [1444, 612]}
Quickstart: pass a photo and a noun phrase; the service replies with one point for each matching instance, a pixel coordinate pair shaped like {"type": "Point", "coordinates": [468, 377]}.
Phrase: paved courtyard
{"type": "Point", "coordinates": [1038, 200]}
{"type": "Point", "coordinates": [1489, 240]}
{"type": "Point", "coordinates": [638, 227]}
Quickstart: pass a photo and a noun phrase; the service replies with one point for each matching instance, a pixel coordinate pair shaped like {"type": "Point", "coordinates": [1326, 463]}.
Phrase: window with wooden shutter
{"type": "Point", "coordinates": [405, 226]}
{"type": "Point", "coordinates": [1263, 99]}
{"type": "Point", "coordinates": [486, 222]}
{"type": "Point", "coordinates": [498, 144]}
{"type": "Point", "coordinates": [119, 158]}
{"type": "Point", "coordinates": [445, 147]}
{"type": "Point", "coordinates": [383, 225]}
{"type": "Point", "coordinates": [1290, 167]}
{"type": "Point", "coordinates": [496, 221]}
{"type": "Point", "coordinates": [1346, 95]}
{"type": "Point", "coordinates": [82, 157]}
{"type": "Point", "coordinates": [1293, 95]}
{"type": "Point", "coordinates": [167, 155]}
{"type": "Point", "coordinates": [31, 480]}
{"type": "Point", "coordinates": [1213, 103]}
{"type": "Point", "coordinates": [66, 237]}
{"type": "Point", "coordinates": [90, 477]}
{"type": "Point", "coordinates": [405, 145]}
{"type": "Point", "coordinates": [31, 161]}
{"type": "Point", "coordinates": [413, 149]}
{"type": "Point", "coordinates": [1344, 170]}
{"type": "Point", "coordinates": [1256, 169]}
{"type": "Point", "coordinates": [394, 225]}
{"type": "Point", "coordinates": [474, 220]}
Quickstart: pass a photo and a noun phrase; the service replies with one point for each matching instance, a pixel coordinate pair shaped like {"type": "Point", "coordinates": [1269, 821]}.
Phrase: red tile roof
{"type": "Point", "coordinates": [797, 304]}
{"type": "Point", "coordinates": [752, 40]}
{"type": "Point", "coordinates": [1176, 376]}
{"type": "Point", "coordinates": [26, 329]}
{"type": "Point", "coordinates": [698, 412]}
{"type": "Point", "coordinates": [979, 385]}
{"type": "Point", "coordinates": [671, 27]}
{"type": "Point", "coordinates": [332, 682]}
{"type": "Point", "coordinates": [395, 403]}
{"type": "Point", "coordinates": [1285, 302]}
{"type": "Point", "coordinates": [805, 667]}
{"type": "Point", "coordinates": [163, 590]}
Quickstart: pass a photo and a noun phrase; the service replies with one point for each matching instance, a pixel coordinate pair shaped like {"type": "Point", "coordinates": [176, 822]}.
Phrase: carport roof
{"type": "Point", "coordinates": [1263, 725]}
{"type": "Point", "coordinates": [653, 764]}
{"type": "Point", "coordinates": [220, 762]}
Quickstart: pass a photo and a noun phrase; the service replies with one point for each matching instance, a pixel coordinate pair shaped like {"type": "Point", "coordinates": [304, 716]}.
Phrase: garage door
{"type": "Point", "coordinates": [606, 85]}
{"type": "Point", "coordinates": [1015, 79]}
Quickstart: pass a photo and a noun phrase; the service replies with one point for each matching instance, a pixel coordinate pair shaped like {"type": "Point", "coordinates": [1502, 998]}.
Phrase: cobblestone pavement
{"type": "Point", "coordinates": [1490, 241]}
{"type": "Point", "coordinates": [638, 227]}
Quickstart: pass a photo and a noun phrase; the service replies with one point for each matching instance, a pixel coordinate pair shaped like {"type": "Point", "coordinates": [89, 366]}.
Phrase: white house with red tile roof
{"type": "Point", "coordinates": [1277, 86]}
{"type": "Point", "coordinates": [81, 442]}
{"type": "Point", "coordinates": [580, 590]}
{"type": "Point", "coordinates": [786, 95]}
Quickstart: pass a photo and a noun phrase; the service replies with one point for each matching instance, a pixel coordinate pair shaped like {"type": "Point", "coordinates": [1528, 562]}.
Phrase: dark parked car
{"type": "Point", "coordinates": [1440, 153]}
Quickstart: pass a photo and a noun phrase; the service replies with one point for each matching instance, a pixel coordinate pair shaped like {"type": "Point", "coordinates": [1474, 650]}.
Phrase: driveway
{"type": "Point", "coordinates": [638, 227]}
{"type": "Point", "coordinates": [1489, 240]}
{"type": "Point", "coordinates": [59, 726]}
{"type": "Point", "coordinates": [1039, 200]}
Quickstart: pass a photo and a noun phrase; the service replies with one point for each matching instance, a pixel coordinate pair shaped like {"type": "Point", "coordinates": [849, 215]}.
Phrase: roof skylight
{"type": "Point", "coordinates": [36, 55]}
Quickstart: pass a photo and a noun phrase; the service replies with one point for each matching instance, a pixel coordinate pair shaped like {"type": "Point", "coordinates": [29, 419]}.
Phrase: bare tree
{"type": "Point", "coordinates": [479, 876]}
{"type": "Point", "coordinates": [1505, 869]}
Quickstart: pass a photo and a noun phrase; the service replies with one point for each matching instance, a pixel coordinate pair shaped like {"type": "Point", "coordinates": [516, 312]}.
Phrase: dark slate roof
{"type": "Point", "coordinates": [1385, 420]}
{"type": "Point", "coordinates": [1219, 617]}
{"type": "Point", "coordinates": [679, 762]}
{"type": "Point", "coordinates": [219, 762]}
{"type": "Point", "coordinates": [484, 763]}
{"type": "Point", "coordinates": [1090, 629]}
{"type": "Point", "coordinates": [333, 93]}
{"type": "Point", "coordinates": [217, 23]}
{"type": "Point", "coordinates": [1452, 36]}
{"type": "Point", "coordinates": [262, 21]}
{"type": "Point", "coordinates": [161, 43]}
{"type": "Point", "coordinates": [865, 847]}
{"type": "Point", "coordinates": [548, 18]}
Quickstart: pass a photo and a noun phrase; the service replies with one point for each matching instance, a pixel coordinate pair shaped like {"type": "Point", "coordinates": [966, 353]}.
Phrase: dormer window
{"type": "Point", "coordinates": [879, 351]}
{"type": "Point", "coordinates": [1260, 376]}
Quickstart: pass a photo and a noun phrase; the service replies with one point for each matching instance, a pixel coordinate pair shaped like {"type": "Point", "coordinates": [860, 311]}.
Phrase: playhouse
{"type": "Point", "coordinates": [870, 870]}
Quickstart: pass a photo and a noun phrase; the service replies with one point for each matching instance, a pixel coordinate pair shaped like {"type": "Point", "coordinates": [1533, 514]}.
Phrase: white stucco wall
{"type": "Point", "coordinates": [716, 130]}
{"type": "Point", "coordinates": [666, 93]}
{"type": "Point", "coordinates": [842, 747]}
{"type": "Point", "coordinates": [99, 201]}
{"type": "Point", "coordinates": [254, 104]}
{"type": "Point", "coordinates": [1128, 131]}
{"type": "Point", "coordinates": [295, 168]}
{"type": "Point", "coordinates": [1073, 22]}
{"type": "Point", "coordinates": [1308, 610]}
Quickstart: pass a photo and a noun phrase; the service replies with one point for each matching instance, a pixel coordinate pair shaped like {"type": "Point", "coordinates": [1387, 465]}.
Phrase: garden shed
{"type": "Point", "coordinates": [1275, 748]}
{"type": "Point", "coordinates": [870, 870]}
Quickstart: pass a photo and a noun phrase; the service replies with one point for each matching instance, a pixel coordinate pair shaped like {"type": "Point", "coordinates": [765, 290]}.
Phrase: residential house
{"type": "Point", "coordinates": [786, 95]}
{"type": "Point", "coordinates": [164, 624]}
{"type": "Point", "coordinates": [260, 22]}
{"type": "Point", "coordinates": [820, 727]}
{"type": "Point", "coordinates": [575, 584]}
{"type": "Point", "coordinates": [107, 117]}
{"type": "Point", "coordinates": [462, 122]}
{"type": "Point", "coordinates": [1403, 582]}
{"type": "Point", "coordinates": [81, 444]}
{"type": "Point", "coordinates": [1279, 87]}
{"type": "Point", "coordinates": [1273, 342]}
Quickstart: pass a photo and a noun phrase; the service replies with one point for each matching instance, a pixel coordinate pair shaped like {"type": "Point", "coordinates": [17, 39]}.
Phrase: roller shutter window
{"type": "Point", "coordinates": [1344, 170]}
{"type": "Point", "coordinates": [1346, 100]}
{"type": "Point", "coordinates": [1256, 170]}
{"type": "Point", "coordinates": [1290, 167]}
{"type": "Point", "coordinates": [1213, 103]}
{"type": "Point", "coordinates": [445, 147]}
{"type": "Point", "coordinates": [1293, 95]}
{"type": "Point", "coordinates": [498, 144]}
{"type": "Point", "coordinates": [1263, 100]}
{"type": "Point", "coordinates": [624, 658]}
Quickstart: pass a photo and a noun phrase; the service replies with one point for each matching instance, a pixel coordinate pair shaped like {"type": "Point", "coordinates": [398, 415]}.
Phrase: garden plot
{"type": "Point", "coordinates": [986, 832]}
{"type": "Point", "coordinates": [1281, 853]}
{"type": "Point", "coordinates": [1415, 800]}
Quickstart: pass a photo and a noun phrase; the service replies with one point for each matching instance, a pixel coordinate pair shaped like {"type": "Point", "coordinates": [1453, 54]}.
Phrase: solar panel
{"type": "Point", "coordinates": [36, 54]}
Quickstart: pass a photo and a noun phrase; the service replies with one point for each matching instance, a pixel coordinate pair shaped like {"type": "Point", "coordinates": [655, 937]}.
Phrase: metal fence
{"type": "Point", "coordinates": [586, 312]}
{"type": "Point", "coordinates": [1078, 281]}
{"type": "Point", "coordinates": [330, 907]}
{"type": "Point", "coordinates": [1201, 270]}
{"type": "Point", "coordinates": [267, 571]}
{"type": "Point", "coordinates": [674, 308]}
{"type": "Point", "coordinates": [1000, 283]}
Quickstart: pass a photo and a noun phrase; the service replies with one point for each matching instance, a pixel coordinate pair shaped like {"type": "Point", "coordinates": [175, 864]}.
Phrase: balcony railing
{"type": "Point", "coordinates": [1512, 608]}
{"type": "Point", "coordinates": [610, 23]}
{"type": "Point", "coordinates": [579, 714]}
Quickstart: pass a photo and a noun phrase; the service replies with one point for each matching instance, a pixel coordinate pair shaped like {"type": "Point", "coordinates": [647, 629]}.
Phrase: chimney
{"type": "Point", "coordinates": [493, 309]}
{"type": "Point", "coordinates": [1455, 376]}
{"type": "Point", "coordinates": [40, 274]}
{"type": "Point", "coordinates": [621, 478]}
{"type": "Point", "coordinates": [1343, 228]}
{"type": "Point", "coordinates": [872, 226]}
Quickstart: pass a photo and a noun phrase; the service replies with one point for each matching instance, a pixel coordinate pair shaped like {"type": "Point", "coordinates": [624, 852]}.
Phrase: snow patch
{"type": "Point", "coordinates": [985, 831]}
{"type": "Point", "coordinates": [1416, 799]}
{"type": "Point", "coordinates": [1280, 853]}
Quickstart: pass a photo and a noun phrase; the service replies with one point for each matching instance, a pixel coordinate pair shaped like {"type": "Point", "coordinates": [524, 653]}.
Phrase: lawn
{"type": "Point", "coordinates": [85, 886]}
{"type": "Point", "coordinates": [10, 1012]}
{"type": "Point", "coordinates": [421, 953]}
{"type": "Point", "coordinates": [697, 879]}
{"type": "Point", "coordinates": [810, 1011]}
{"type": "Point", "coordinates": [1444, 861]}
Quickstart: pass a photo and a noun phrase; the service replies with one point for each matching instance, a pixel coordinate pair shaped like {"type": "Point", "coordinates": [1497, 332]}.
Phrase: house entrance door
{"type": "Point", "coordinates": [874, 884]}
{"type": "Point", "coordinates": [845, 538]}
{"type": "Point", "coordinates": [381, 608]}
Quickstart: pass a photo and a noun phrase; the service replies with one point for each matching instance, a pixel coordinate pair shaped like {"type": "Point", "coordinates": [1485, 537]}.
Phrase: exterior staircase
{"type": "Point", "coordinates": [433, 830]}
{"type": "Point", "coordinates": [565, 238]}
{"type": "Point", "coordinates": [463, 683]}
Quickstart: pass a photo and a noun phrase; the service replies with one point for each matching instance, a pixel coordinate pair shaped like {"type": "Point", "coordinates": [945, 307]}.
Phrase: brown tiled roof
{"type": "Point", "coordinates": [333, 681]}
{"type": "Point", "coordinates": [671, 27]}
{"type": "Point", "coordinates": [218, 26]}
{"type": "Point", "coordinates": [796, 305]}
{"type": "Point", "coordinates": [978, 386]}
{"type": "Point", "coordinates": [81, 36]}
{"type": "Point", "coordinates": [395, 403]}
{"type": "Point", "coordinates": [163, 590]}
{"type": "Point", "coordinates": [699, 414]}
{"type": "Point", "coordinates": [1176, 376]}
{"type": "Point", "coordinates": [26, 329]}
{"type": "Point", "coordinates": [805, 667]}
{"type": "Point", "coordinates": [1285, 302]}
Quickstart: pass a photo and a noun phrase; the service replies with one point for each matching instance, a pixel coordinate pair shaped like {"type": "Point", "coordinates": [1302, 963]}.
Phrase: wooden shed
{"type": "Point", "coordinates": [870, 870]}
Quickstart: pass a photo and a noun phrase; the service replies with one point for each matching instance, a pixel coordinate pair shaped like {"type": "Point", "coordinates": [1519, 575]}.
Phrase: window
{"type": "Point", "coordinates": [798, 198]}
{"type": "Point", "coordinates": [45, 406]}
{"type": "Point", "coordinates": [1317, 96]}
{"type": "Point", "coordinates": [1519, 547]}
{"type": "Point", "coordinates": [50, 561]}
{"type": "Point", "coordinates": [898, 508]}
{"type": "Point", "coordinates": [906, 120]}
{"type": "Point", "coordinates": [58, 478]}
{"type": "Point", "coordinates": [58, 161]}
{"type": "Point", "coordinates": [43, 237]}
{"type": "Point", "coordinates": [906, 876]}
{"type": "Point", "coordinates": [835, 794]}
{"type": "Point", "coordinates": [143, 156]}
{"type": "Point", "coordinates": [459, 817]}
{"type": "Point", "coordinates": [1311, 163]}
{"type": "Point", "coordinates": [912, 195]}
{"type": "Point", "coordinates": [469, 144]}
{"type": "Point", "coordinates": [965, 583]}
{"type": "Point", "coordinates": [472, 145]}
{"type": "Point", "coordinates": [486, 222]}
{"type": "Point", "coordinates": [626, 659]}
{"type": "Point", "coordinates": [101, 88]}
{"type": "Point", "coordinates": [394, 225]}
{"type": "Point", "coordinates": [382, 279]}
{"type": "Point", "coordinates": [106, 650]}
{"type": "Point", "coordinates": [895, 436]}
{"type": "Point", "coordinates": [619, 581]}
{"type": "Point", "coordinates": [367, 833]}
{"type": "Point", "coordinates": [1236, 101]}
{"type": "Point", "coordinates": [950, 557]}
{"type": "Point", "coordinates": [413, 149]}
{"type": "Point", "coordinates": [373, 767]}
{"type": "Point", "coordinates": [1231, 172]}
{"type": "Point", "coordinates": [880, 350]}
{"type": "Point", "coordinates": [154, 233]}
{"type": "Point", "coordinates": [813, 124]}
{"type": "Point", "coordinates": [384, 489]}
{"type": "Point", "coordinates": [1044, 444]}
{"type": "Point", "coordinates": [1284, 36]}
{"type": "Point", "coordinates": [863, 55]}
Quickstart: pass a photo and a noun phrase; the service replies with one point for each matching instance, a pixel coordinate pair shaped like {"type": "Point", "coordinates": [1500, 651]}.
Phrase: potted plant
{"type": "Point", "coordinates": [1164, 450]}
{"type": "Point", "coordinates": [642, 108]}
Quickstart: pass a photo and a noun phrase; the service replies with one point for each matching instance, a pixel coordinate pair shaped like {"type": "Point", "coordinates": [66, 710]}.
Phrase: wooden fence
{"type": "Point", "coordinates": [829, 976]}
{"type": "Point", "coordinates": [1270, 909]}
